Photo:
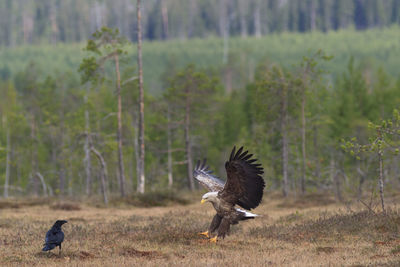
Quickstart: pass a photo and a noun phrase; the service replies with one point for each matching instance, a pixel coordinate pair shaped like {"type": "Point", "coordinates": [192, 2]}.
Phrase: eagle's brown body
{"type": "Point", "coordinates": [244, 187]}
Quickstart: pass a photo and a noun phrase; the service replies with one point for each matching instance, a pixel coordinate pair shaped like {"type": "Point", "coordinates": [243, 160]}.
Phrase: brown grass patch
{"type": "Point", "coordinates": [173, 227]}
{"type": "Point", "coordinates": [160, 198]}
{"type": "Point", "coordinates": [167, 236]}
{"type": "Point", "coordinates": [65, 206]}
{"type": "Point", "coordinates": [26, 202]}
{"type": "Point", "coordinates": [363, 224]}
{"type": "Point", "coordinates": [327, 250]}
{"type": "Point", "coordinates": [307, 201]}
{"type": "Point", "coordinates": [132, 252]}
{"type": "Point", "coordinates": [396, 250]}
{"type": "Point", "coordinates": [76, 219]}
{"type": "Point", "coordinates": [83, 255]}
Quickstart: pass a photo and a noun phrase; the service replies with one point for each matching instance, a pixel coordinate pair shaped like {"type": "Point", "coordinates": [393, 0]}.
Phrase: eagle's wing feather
{"type": "Point", "coordinates": [202, 174]}
{"type": "Point", "coordinates": [244, 185]}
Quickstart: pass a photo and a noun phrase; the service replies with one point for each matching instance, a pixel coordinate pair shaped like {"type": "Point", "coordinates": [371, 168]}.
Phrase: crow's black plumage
{"type": "Point", "coordinates": [55, 236]}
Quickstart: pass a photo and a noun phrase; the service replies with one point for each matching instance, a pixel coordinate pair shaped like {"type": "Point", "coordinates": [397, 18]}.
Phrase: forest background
{"type": "Point", "coordinates": [299, 83]}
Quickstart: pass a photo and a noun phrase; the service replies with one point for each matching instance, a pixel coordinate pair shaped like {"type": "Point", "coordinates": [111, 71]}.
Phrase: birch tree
{"type": "Point", "coordinates": [108, 44]}
{"type": "Point", "coordinates": [141, 166]}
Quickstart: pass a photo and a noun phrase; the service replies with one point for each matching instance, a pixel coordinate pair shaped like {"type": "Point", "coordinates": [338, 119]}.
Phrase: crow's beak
{"type": "Point", "coordinates": [203, 201]}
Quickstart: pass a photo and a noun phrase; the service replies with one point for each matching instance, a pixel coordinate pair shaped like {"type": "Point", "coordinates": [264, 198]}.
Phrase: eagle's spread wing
{"type": "Point", "coordinates": [244, 185]}
{"type": "Point", "coordinates": [205, 178]}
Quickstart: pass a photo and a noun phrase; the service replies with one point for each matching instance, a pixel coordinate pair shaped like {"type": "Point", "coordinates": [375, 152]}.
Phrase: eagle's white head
{"type": "Point", "coordinates": [209, 197]}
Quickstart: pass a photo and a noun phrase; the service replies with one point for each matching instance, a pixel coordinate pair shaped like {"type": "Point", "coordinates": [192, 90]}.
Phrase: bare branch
{"type": "Point", "coordinates": [180, 162]}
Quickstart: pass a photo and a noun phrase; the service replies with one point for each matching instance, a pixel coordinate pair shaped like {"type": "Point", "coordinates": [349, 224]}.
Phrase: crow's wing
{"type": "Point", "coordinates": [54, 237]}
{"type": "Point", "coordinates": [203, 175]}
{"type": "Point", "coordinates": [244, 185]}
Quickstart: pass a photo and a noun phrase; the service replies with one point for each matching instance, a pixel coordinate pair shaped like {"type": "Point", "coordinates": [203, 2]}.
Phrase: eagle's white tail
{"type": "Point", "coordinates": [247, 214]}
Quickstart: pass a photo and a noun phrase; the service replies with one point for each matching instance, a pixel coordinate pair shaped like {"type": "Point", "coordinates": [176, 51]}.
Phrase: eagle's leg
{"type": "Point", "coordinates": [216, 221]}
{"type": "Point", "coordinates": [205, 234]}
{"type": "Point", "coordinates": [214, 239]}
{"type": "Point", "coordinates": [223, 229]}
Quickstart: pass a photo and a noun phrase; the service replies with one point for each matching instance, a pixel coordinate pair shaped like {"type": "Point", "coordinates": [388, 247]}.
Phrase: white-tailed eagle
{"type": "Point", "coordinates": [244, 187]}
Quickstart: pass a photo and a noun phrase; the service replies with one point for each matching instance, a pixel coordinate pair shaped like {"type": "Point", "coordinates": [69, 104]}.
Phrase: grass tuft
{"type": "Point", "coordinates": [327, 250]}
{"type": "Point", "coordinates": [307, 201]}
{"type": "Point", "coordinates": [132, 252]}
{"type": "Point", "coordinates": [65, 206]}
{"type": "Point", "coordinates": [159, 198]}
{"type": "Point", "coordinates": [26, 202]}
{"type": "Point", "coordinates": [364, 225]}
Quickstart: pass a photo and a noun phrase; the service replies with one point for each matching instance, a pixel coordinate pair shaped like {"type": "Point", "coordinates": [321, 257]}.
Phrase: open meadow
{"type": "Point", "coordinates": [309, 231]}
{"type": "Point", "coordinates": [114, 113]}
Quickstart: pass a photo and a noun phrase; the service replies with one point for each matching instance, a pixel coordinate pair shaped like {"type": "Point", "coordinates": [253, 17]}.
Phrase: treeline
{"type": "Point", "coordinates": [373, 48]}
{"type": "Point", "coordinates": [67, 21]}
{"type": "Point", "coordinates": [60, 135]}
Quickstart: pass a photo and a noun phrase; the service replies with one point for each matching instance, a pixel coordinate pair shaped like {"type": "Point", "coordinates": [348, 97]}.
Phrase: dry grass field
{"type": "Point", "coordinates": [311, 231]}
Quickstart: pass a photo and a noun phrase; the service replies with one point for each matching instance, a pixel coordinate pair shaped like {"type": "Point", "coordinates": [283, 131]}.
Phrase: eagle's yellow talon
{"type": "Point", "coordinates": [205, 234]}
{"type": "Point", "coordinates": [213, 240]}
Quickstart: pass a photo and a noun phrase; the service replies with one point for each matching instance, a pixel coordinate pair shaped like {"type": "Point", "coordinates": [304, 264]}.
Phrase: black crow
{"type": "Point", "coordinates": [55, 236]}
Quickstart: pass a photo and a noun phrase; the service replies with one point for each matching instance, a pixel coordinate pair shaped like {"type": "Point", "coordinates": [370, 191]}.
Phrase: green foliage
{"type": "Point", "coordinates": [372, 48]}
{"type": "Point", "coordinates": [46, 113]}
{"type": "Point", "coordinates": [106, 43]}
{"type": "Point", "coordinates": [385, 136]}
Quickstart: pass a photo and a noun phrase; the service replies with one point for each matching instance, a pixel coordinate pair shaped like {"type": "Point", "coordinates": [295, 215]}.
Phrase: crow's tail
{"type": "Point", "coordinates": [48, 247]}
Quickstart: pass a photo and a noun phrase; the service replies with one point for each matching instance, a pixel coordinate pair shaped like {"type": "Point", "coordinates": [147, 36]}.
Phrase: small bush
{"type": "Point", "coordinates": [132, 252]}
{"type": "Point", "coordinates": [159, 198]}
{"type": "Point", "coordinates": [65, 206]}
{"type": "Point", "coordinates": [28, 202]}
{"type": "Point", "coordinates": [307, 201]}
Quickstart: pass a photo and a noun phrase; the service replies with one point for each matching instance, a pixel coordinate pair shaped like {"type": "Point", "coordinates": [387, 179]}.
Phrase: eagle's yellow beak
{"type": "Point", "coordinates": [203, 201]}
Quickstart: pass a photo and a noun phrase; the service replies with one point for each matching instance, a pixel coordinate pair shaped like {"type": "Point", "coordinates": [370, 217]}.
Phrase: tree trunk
{"type": "Point", "coordinates": [257, 19]}
{"type": "Point", "coordinates": [62, 170]}
{"type": "Point", "coordinates": [335, 179]}
{"type": "Point", "coordinates": [53, 21]}
{"type": "Point", "coordinates": [303, 143]}
{"type": "Point", "coordinates": [119, 130]}
{"type": "Point", "coordinates": [43, 183]}
{"type": "Point", "coordinates": [303, 128]}
{"type": "Point", "coordinates": [192, 13]}
{"type": "Point", "coordinates": [141, 177]}
{"type": "Point", "coordinates": [136, 146]}
{"type": "Point", "coordinates": [243, 22]}
{"type": "Point", "coordinates": [188, 143]}
{"type": "Point", "coordinates": [33, 181]}
{"type": "Point", "coordinates": [312, 15]}
{"type": "Point", "coordinates": [170, 177]}
{"type": "Point", "coordinates": [361, 180]}
{"type": "Point", "coordinates": [224, 29]}
{"type": "Point", "coordinates": [164, 14]}
{"type": "Point", "coordinates": [222, 17]}
{"type": "Point", "coordinates": [103, 174]}
{"type": "Point", "coordinates": [8, 151]}
{"type": "Point", "coordinates": [27, 23]}
{"type": "Point", "coordinates": [285, 157]}
{"type": "Point", "coordinates": [380, 158]}
{"type": "Point", "coordinates": [87, 160]}
{"type": "Point", "coordinates": [316, 153]}
{"type": "Point", "coordinates": [61, 145]}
